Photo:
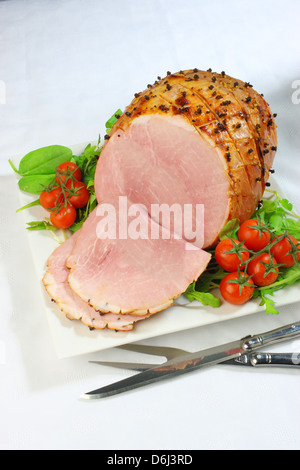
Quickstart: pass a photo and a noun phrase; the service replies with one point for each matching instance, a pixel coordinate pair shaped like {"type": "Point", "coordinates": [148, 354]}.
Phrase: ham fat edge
{"type": "Point", "coordinates": [193, 137]}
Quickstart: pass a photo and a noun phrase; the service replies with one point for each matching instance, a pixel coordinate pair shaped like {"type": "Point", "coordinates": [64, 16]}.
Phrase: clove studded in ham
{"type": "Point", "coordinates": [192, 138]}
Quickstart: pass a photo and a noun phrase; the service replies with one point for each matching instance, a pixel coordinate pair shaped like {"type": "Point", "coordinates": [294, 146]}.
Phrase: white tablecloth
{"type": "Point", "coordinates": [65, 67]}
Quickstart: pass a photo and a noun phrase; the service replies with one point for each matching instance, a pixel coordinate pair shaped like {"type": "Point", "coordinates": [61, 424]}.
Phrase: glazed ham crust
{"type": "Point", "coordinates": [193, 137]}
{"type": "Point", "coordinates": [229, 115]}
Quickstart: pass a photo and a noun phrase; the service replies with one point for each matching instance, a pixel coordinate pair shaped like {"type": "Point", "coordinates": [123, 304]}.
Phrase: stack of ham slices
{"type": "Point", "coordinates": [191, 138]}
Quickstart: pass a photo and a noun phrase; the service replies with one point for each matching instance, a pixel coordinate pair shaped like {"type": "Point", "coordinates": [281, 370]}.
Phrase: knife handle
{"type": "Point", "coordinates": [274, 336]}
{"type": "Point", "coordinates": [275, 359]}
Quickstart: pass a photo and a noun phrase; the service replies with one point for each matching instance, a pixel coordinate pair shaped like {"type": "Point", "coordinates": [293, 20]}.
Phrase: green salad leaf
{"type": "Point", "coordinates": [37, 171]}
{"type": "Point", "coordinates": [288, 276]}
{"type": "Point", "coordinates": [230, 229]}
{"type": "Point", "coordinates": [87, 162]}
{"type": "Point", "coordinates": [37, 168]}
{"type": "Point", "coordinates": [44, 161]}
{"type": "Point", "coordinates": [31, 204]}
{"type": "Point", "coordinates": [267, 302]}
{"type": "Point", "coordinates": [34, 184]}
{"type": "Point", "coordinates": [205, 298]}
{"type": "Point", "coordinates": [112, 121]}
{"type": "Point", "coordinates": [278, 213]}
{"type": "Point", "coordinates": [40, 225]}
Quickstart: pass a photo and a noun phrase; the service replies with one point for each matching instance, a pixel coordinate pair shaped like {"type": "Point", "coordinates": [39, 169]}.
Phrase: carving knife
{"type": "Point", "coordinates": [194, 361]}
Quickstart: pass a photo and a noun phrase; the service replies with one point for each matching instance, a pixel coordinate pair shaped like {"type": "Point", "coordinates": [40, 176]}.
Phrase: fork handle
{"type": "Point", "coordinates": [274, 336]}
{"type": "Point", "coordinates": [276, 359]}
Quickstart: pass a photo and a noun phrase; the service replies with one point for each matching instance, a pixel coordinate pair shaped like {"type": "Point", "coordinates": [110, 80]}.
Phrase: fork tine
{"type": "Point", "coordinates": [125, 365]}
{"type": "Point", "coordinates": [163, 351]}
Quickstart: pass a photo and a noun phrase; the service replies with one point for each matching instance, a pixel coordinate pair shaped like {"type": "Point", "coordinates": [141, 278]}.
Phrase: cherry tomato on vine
{"type": "Point", "coordinates": [230, 261]}
{"type": "Point", "coordinates": [281, 251]}
{"type": "Point", "coordinates": [68, 167]}
{"type": "Point", "coordinates": [81, 198]}
{"type": "Point", "coordinates": [48, 199]}
{"type": "Point", "coordinates": [63, 218]}
{"type": "Point", "coordinates": [258, 271]}
{"type": "Point", "coordinates": [231, 291]}
{"type": "Point", "coordinates": [253, 238]}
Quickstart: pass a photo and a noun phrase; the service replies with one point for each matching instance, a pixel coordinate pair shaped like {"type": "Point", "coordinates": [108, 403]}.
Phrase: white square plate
{"type": "Point", "coordinates": [72, 338]}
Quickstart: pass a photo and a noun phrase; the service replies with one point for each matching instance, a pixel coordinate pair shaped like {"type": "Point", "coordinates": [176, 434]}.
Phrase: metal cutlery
{"type": "Point", "coordinates": [253, 359]}
{"type": "Point", "coordinates": [184, 362]}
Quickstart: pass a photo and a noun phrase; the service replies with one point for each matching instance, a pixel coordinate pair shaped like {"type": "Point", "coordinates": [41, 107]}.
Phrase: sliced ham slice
{"type": "Point", "coordinates": [132, 276]}
{"type": "Point", "coordinates": [192, 138]}
{"type": "Point", "coordinates": [56, 284]}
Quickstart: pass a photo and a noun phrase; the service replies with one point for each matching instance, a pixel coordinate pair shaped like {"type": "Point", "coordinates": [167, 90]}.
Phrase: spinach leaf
{"type": "Point", "coordinates": [44, 161]}
{"type": "Point", "coordinates": [35, 184]}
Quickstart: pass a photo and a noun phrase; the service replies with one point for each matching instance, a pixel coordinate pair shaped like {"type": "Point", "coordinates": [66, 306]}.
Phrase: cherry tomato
{"type": "Point", "coordinates": [49, 199]}
{"type": "Point", "coordinates": [281, 249]}
{"type": "Point", "coordinates": [64, 218]}
{"type": "Point", "coordinates": [230, 291]}
{"type": "Point", "coordinates": [258, 270]}
{"type": "Point", "coordinates": [68, 167]}
{"type": "Point", "coordinates": [230, 261]}
{"type": "Point", "coordinates": [253, 239]}
{"type": "Point", "coordinates": [81, 198]}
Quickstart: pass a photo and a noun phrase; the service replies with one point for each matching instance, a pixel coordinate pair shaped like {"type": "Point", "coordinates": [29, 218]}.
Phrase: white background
{"type": "Point", "coordinates": [65, 67]}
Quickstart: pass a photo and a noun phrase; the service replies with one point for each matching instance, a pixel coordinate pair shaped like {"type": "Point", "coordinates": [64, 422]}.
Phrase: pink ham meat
{"type": "Point", "coordinates": [56, 284]}
{"type": "Point", "coordinates": [162, 160]}
{"type": "Point", "coordinates": [192, 137]}
{"type": "Point", "coordinates": [132, 276]}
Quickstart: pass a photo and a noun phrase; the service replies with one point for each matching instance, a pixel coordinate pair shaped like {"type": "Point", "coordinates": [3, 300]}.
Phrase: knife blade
{"type": "Point", "coordinates": [193, 361]}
